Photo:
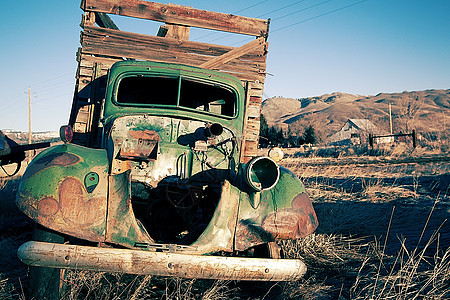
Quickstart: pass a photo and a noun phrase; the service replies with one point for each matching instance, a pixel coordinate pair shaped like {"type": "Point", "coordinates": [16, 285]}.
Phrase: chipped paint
{"type": "Point", "coordinates": [285, 212]}
{"type": "Point", "coordinates": [191, 193]}
{"type": "Point", "coordinates": [53, 193]}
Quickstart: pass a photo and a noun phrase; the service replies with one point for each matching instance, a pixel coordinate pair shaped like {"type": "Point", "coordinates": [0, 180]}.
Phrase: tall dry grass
{"type": "Point", "coordinates": [99, 285]}
{"type": "Point", "coordinates": [341, 264]}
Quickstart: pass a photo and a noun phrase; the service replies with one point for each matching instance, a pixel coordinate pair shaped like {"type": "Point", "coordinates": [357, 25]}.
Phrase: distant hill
{"type": "Point", "coordinates": [425, 111]}
{"type": "Point", "coordinates": [36, 137]}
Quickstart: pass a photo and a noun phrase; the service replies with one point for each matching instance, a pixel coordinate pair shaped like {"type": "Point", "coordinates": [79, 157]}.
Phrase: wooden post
{"type": "Point", "coordinates": [390, 117]}
{"type": "Point", "coordinates": [29, 115]}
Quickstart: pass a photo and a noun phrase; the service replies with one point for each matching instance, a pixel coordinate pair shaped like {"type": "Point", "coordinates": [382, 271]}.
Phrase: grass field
{"type": "Point", "coordinates": [383, 234]}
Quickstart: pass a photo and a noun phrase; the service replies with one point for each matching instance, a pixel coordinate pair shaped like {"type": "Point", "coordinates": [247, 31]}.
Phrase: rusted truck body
{"type": "Point", "coordinates": [159, 173]}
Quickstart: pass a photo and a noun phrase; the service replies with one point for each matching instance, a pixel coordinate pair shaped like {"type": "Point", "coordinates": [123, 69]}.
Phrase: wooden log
{"type": "Point", "coordinates": [180, 15]}
{"type": "Point", "coordinates": [159, 263]}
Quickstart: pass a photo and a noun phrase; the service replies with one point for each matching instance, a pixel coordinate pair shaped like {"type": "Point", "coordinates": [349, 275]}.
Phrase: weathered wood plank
{"type": "Point", "coordinates": [119, 49]}
{"type": "Point", "coordinates": [255, 100]}
{"type": "Point", "coordinates": [235, 53]}
{"type": "Point", "coordinates": [256, 89]}
{"type": "Point", "coordinates": [103, 20]}
{"type": "Point", "coordinates": [181, 15]}
{"type": "Point", "coordinates": [166, 44]}
{"type": "Point", "coordinates": [251, 148]}
{"type": "Point", "coordinates": [89, 61]}
{"type": "Point", "coordinates": [179, 32]}
{"type": "Point", "coordinates": [254, 111]}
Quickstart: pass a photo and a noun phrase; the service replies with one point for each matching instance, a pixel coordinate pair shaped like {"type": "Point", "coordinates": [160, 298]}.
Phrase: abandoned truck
{"type": "Point", "coordinates": [159, 173]}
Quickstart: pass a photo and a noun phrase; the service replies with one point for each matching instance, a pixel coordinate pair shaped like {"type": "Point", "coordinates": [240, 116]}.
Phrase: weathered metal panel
{"type": "Point", "coordinates": [171, 155]}
{"type": "Point", "coordinates": [284, 212]}
{"type": "Point", "coordinates": [65, 189]}
{"type": "Point", "coordinates": [219, 235]}
{"type": "Point", "coordinates": [122, 227]}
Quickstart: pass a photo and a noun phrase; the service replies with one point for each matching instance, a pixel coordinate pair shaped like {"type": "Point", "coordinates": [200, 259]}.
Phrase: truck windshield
{"type": "Point", "coordinates": [177, 92]}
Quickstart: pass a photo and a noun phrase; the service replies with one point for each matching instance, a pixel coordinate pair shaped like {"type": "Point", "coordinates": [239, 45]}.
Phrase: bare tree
{"type": "Point", "coordinates": [410, 106]}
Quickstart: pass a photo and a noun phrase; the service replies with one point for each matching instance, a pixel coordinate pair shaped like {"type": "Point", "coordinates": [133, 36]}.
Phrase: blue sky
{"type": "Point", "coordinates": [315, 47]}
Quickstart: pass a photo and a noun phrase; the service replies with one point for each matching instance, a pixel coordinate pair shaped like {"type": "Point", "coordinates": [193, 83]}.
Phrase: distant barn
{"type": "Point", "coordinates": [356, 131]}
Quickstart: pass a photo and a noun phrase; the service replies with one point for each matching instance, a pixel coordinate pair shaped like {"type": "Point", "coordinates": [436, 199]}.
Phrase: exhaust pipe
{"type": "Point", "coordinates": [141, 262]}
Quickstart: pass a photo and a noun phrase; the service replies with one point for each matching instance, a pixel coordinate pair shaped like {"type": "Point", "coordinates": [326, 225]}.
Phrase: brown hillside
{"type": "Point", "coordinates": [425, 111]}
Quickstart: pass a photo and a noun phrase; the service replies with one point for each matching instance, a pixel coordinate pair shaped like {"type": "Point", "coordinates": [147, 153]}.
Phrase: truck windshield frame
{"type": "Point", "coordinates": [176, 92]}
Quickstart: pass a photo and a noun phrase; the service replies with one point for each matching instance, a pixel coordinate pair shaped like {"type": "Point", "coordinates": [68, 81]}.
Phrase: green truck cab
{"type": "Point", "coordinates": [163, 179]}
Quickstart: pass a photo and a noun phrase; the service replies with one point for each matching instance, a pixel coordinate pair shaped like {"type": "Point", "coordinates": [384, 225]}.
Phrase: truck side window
{"type": "Point", "coordinates": [208, 97]}
{"type": "Point", "coordinates": [148, 90]}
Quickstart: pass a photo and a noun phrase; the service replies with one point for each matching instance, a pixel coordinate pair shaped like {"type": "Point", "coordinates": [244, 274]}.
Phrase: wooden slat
{"type": "Point", "coordinates": [103, 20]}
{"type": "Point", "coordinates": [241, 71]}
{"type": "Point", "coordinates": [254, 111]}
{"type": "Point", "coordinates": [235, 53]}
{"type": "Point", "coordinates": [255, 89]}
{"type": "Point", "coordinates": [165, 44]}
{"type": "Point", "coordinates": [179, 32]}
{"type": "Point", "coordinates": [251, 150]}
{"type": "Point", "coordinates": [181, 15]}
{"type": "Point", "coordinates": [89, 61]}
{"type": "Point", "coordinates": [167, 50]}
{"type": "Point", "coordinates": [247, 76]}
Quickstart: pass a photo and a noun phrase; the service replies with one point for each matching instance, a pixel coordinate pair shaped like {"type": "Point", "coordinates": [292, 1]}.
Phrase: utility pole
{"type": "Point", "coordinates": [29, 115]}
{"type": "Point", "coordinates": [390, 117]}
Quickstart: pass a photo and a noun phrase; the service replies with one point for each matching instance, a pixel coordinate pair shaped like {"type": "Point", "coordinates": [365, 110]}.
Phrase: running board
{"type": "Point", "coordinates": [129, 261]}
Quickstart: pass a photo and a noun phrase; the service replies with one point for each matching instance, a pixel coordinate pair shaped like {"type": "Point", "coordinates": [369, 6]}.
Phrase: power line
{"type": "Point", "coordinates": [52, 79]}
{"type": "Point", "coordinates": [318, 16]}
{"type": "Point", "coordinates": [303, 9]}
{"type": "Point", "coordinates": [289, 14]}
{"type": "Point", "coordinates": [12, 98]}
{"type": "Point", "coordinates": [309, 19]}
{"type": "Point", "coordinates": [42, 86]}
{"type": "Point", "coordinates": [54, 86]}
{"type": "Point", "coordinates": [273, 11]}
{"type": "Point", "coordinates": [251, 6]}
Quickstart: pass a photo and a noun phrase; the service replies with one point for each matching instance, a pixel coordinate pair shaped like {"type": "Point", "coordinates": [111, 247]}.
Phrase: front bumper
{"type": "Point", "coordinates": [66, 256]}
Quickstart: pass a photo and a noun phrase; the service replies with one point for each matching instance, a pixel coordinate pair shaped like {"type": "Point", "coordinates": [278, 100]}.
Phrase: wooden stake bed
{"type": "Point", "coordinates": [103, 45]}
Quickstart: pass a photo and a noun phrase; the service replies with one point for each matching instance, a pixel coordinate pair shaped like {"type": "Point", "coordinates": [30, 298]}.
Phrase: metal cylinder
{"type": "Point", "coordinates": [262, 173]}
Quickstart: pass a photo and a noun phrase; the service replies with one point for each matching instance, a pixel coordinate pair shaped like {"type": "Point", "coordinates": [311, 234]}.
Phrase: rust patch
{"type": "Point", "coordinates": [302, 203]}
{"type": "Point", "coordinates": [145, 135]}
{"type": "Point", "coordinates": [76, 207]}
{"type": "Point", "coordinates": [47, 207]}
{"type": "Point", "coordinates": [294, 223]}
{"type": "Point", "coordinates": [248, 235]}
{"type": "Point", "coordinates": [57, 159]}
{"type": "Point", "coordinates": [283, 224]}
{"type": "Point", "coordinates": [142, 145]}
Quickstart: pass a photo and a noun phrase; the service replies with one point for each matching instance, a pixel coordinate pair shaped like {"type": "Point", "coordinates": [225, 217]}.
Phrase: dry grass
{"type": "Point", "coordinates": [380, 237]}
{"type": "Point", "coordinates": [347, 268]}
{"type": "Point", "coordinates": [98, 285]}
